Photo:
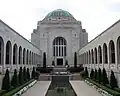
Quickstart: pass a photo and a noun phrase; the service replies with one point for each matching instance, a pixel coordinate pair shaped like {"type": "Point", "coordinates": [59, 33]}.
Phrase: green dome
{"type": "Point", "coordinates": [59, 13]}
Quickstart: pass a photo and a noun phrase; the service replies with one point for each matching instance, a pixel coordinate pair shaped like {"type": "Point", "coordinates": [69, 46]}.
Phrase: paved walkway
{"type": "Point", "coordinates": [82, 89]}
{"type": "Point", "coordinates": [39, 89]}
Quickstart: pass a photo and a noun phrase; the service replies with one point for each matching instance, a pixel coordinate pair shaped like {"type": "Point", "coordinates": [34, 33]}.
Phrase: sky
{"type": "Point", "coordinates": [95, 15]}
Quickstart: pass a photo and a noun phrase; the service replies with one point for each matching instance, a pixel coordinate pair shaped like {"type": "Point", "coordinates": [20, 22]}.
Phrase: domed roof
{"type": "Point", "coordinates": [59, 13]}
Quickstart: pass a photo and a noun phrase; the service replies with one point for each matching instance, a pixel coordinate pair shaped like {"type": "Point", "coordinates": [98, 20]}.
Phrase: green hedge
{"type": "Point", "coordinates": [117, 89]}
{"type": "Point", "coordinates": [110, 91]}
{"type": "Point", "coordinates": [2, 92]}
{"type": "Point", "coordinates": [10, 93]}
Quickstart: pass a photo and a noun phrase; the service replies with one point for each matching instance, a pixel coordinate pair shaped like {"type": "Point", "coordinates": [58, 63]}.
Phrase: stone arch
{"type": "Point", "coordinates": [112, 51]}
{"type": "Point", "coordinates": [95, 50]}
{"type": "Point", "coordinates": [24, 53]}
{"type": "Point", "coordinates": [15, 48]}
{"type": "Point", "coordinates": [59, 46]}
{"type": "Point", "coordinates": [89, 57]}
{"type": "Point", "coordinates": [100, 54]}
{"type": "Point", "coordinates": [105, 54]}
{"type": "Point", "coordinates": [92, 56]}
{"type": "Point", "coordinates": [8, 52]}
{"type": "Point", "coordinates": [1, 51]}
{"type": "Point", "coordinates": [27, 59]}
{"type": "Point", "coordinates": [30, 58]}
{"type": "Point", "coordinates": [118, 50]}
{"type": "Point", "coordinates": [20, 55]}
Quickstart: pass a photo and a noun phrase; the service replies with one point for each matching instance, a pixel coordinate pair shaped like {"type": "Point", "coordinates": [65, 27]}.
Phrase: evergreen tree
{"type": "Point", "coordinates": [21, 80]}
{"type": "Point", "coordinates": [33, 73]}
{"type": "Point", "coordinates": [113, 81]}
{"type": "Point", "coordinates": [53, 63]}
{"type": "Point", "coordinates": [66, 62]}
{"type": "Point", "coordinates": [28, 74]}
{"type": "Point", "coordinates": [86, 72]}
{"type": "Point", "coordinates": [44, 60]}
{"type": "Point", "coordinates": [104, 77]}
{"type": "Point", "coordinates": [14, 81]}
{"type": "Point", "coordinates": [75, 60]}
{"type": "Point", "coordinates": [99, 75]}
{"type": "Point", "coordinates": [92, 74]}
{"type": "Point", "coordinates": [95, 75]}
{"type": "Point", "coordinates": [24, 74]}
{"type": "Point", "coordinates": [6, 81]}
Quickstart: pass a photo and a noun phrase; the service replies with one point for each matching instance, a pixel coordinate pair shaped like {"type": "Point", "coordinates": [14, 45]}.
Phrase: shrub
{"type": "Point", "coordinates": [66, 62]}
{"type": "Point", "coordinates": [113, 81]}
{"type": "Point", "coordinates": [99, 75]}
{"type": "Point", "coordinates": [82, 74]}
{"type": "Point", "coordinates": [10, 93]}
{"type": "Point", "coordinates": [33, 73]}
{"type": "Point", "coordinates": [110, 91]}
{"type": "Point", "coordinates": [21, 76]}
{"type": "Point", "coordinates": [6, 81]}
{"type": "Point", "coordinates": [74, 70]}
{"type": "Point", "coordinates": [95, 75]}
{"type": "Point", "coordinates": [104, 77]}
{"type": "Point", "coordinates": [28, 74]}
{"type": "Point", "coordinates": [44, 60]}
{"type": "Point", "coordinates": [2, 92]}
{"type": "Point", "coordinates": [92, 74]}
{"type": "Point", "coordinates": [75, 60]}
{"type": "Point", "coordinates": [86, 72]}
{"type": "Point", "coordinates": [53, 63]}
{"type": "Point", "coordinates": [14, 81]}
{"type": "Point", "coordinates": [24, 74]}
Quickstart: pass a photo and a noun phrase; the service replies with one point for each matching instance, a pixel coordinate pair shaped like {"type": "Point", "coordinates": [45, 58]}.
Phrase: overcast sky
{"type": "Point", "coordinates": [95, 15]}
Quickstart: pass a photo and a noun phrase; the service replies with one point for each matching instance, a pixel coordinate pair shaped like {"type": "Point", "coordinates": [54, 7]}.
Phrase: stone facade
{"type": "Point", "coordinates": [103, 51]}
{"type": "Point", "coordinates": [59, 23]}
{"type": "Point", "coordinates": [14, 49]}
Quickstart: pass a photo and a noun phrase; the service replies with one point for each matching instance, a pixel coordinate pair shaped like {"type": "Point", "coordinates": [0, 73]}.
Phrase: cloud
{"type": "Point", "coordinates": [96, 15]}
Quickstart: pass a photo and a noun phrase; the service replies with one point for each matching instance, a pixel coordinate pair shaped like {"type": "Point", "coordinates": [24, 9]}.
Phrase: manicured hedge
{"type": "Point", "coordinates": [117, 89]}
{"type": "Point", "coordinates": [110, 91]}
{"type": "Point", "coordinates": [73, 70]}
{"type": "Point", "coordinates": [44, 70]}
{"type": "Point", "coordinates": [10, 93]}
{"type": "Point", "coordinates": [2, 92]}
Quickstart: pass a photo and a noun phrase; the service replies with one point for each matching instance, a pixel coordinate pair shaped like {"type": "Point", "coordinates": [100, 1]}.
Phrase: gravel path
{"type": "Point", "coordinates": [82, 89]}
{"type": "Point", "coordinates": [39, 89]}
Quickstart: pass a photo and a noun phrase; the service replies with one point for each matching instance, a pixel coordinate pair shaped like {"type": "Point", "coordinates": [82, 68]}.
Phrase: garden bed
{"type": "Point", "coordinates": [74, 70]}
{"type": "Point", "coordinates": [44, 70]}
{"type": "Point", "coordinates": [21, 89]}
{"type": "Point", "coordinates": [105, 91]}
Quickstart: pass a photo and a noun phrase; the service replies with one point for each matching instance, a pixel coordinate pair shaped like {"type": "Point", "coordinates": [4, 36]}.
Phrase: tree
{"type": "Point", "coordinates": [28, 74]}
{"type": "Point", "coordinates": [86, 72]}
{"type": "Point", "coordinates": [104, 77]}
{"type": "Point", "coordinates": [14, 81]}
{"type": "Point", "coordinates": [21, 80]}
{"type": "Point", "coordinates": [75, 60]}
{"type": "Point", "coordinates": [99, 75]}
{"type": "Point", "coordinates": [33, 73]}
{"type": "Point", "coordinates": [24, 74]}
{"type": "Point", "coordinates": [113, 81]}
{"type": "Point", "coordinates": [53, 63]}
{"type": "Point", "coordinates": [6, 81]}
{"type": "Point", "coordinates": [44, 60]}
{"type": "Point", "coordinates": [92, 74]}
{"type": "Point", "coordinates": [95, 75]}
{"type": "Point", "coordinates": [66, 62]}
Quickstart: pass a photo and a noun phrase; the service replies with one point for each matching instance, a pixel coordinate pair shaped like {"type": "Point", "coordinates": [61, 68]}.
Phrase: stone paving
{"type": "Point", "coordinates": [39, 89]}
{"type": "Point", "coordinates": [82, 89]}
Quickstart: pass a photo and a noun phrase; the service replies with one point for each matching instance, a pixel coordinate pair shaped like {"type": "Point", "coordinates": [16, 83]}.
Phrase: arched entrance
{"type": "Point", "coordinates": [59, 50]}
